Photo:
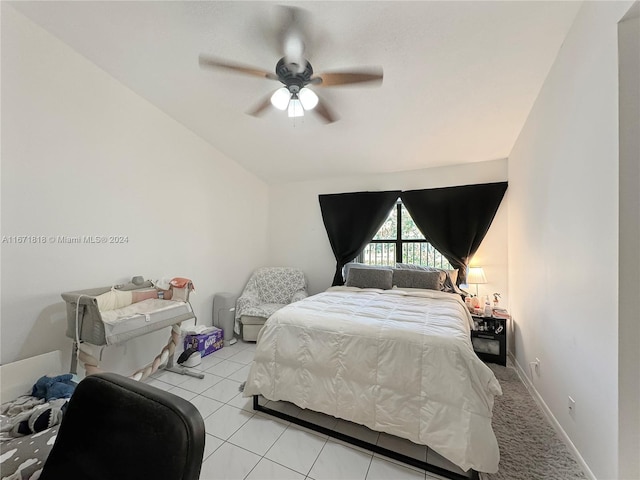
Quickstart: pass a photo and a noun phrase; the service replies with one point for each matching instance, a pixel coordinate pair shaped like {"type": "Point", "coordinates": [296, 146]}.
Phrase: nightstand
{"type": "Point", "coordinates": [490, 339]}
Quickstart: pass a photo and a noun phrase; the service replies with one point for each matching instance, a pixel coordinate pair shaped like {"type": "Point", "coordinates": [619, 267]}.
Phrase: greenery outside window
{"type": "Point", "coordinates": [400, 241]}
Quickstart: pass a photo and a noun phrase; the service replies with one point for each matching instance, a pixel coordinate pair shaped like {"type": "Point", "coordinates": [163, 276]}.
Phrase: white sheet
{"type": "Point", "coordinates": [145, 307]}
{"type": "Point", "coordinates": [396, 361]}
{"type": "Point", "coordinates": [143, 317]}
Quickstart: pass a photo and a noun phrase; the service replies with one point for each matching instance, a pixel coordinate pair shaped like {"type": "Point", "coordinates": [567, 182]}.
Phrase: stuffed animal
{"type": "Point", "coordinates": [52, 388]}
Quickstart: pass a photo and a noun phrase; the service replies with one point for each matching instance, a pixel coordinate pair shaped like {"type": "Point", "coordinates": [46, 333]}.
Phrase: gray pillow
{"type": "Point", "coordinates": [453, 274]}
{"type": "Point", "coordinates": [370, 278]}
{"type": "Point", "coordinates": [432, 280]}
{"type": "Point", "coordinates": [350, 265]}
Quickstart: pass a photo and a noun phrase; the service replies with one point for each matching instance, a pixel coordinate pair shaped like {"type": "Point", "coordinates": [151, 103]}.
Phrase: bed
{"type": "Point", "coordinates": [397, 360]}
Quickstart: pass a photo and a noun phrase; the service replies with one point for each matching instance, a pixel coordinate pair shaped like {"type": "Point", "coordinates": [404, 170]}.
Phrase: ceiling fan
{"type": "Point", "coordinates": [296, 74]}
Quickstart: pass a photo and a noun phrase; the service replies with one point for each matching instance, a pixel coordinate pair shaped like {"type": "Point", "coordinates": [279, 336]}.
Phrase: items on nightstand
{"type": "Point", "coordinates": [473, 304]}
{"type": "Point", "coordinates": [487, 307]}
{"type": "Point", "coordinates": [468, 303]}
{"type": "Point", "coordinates": [500, 312]}
{"type": "Point", "coordinates": [496, 296]}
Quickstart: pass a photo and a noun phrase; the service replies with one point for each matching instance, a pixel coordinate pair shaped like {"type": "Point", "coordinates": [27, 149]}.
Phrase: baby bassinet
{"type": "Point", "coordinates": [86, 323]}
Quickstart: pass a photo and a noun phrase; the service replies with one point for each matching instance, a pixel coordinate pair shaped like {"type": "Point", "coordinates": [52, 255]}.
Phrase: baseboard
{"type": "Point", "coordinates": [552, 419]}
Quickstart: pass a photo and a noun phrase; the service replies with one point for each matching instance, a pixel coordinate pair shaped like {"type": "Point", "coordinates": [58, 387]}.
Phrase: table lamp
{"type": "Point", "coordinates": [476, 275]}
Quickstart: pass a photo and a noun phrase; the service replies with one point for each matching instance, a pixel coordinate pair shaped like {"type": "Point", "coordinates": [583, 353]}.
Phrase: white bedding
{"type": "Point", "coordinates": [145, 307]}
{"type": "Point", "coordinates": [396, 361]}
{"type": "Point", "coordinates": [142, 317]}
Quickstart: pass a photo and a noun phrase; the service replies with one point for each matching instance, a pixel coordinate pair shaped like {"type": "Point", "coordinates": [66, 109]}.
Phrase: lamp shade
{"type": "Point", "coordinates": [280, 98]}
{"type": "Point", "coordinates": [308, 98]}
{"type": "Point", "coordinates": [295, 108]}
{"type": "Point", "coordinates": [476, 275]}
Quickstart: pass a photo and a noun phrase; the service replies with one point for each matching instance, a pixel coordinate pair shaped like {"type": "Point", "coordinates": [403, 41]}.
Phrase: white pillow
{"type": "Point", "coordinates": [114, 299]}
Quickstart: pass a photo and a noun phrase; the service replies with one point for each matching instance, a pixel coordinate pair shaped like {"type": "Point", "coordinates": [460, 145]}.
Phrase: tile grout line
{"type": "Point", "coordinates": [318, 456]}
{"type": "Point", "coordinates": [268, 450]}
{"type": "Point", "coordinates": [368, 468]}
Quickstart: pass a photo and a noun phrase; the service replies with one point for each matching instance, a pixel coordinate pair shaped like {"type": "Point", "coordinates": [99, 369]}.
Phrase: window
{"type": "Point", "coordinates": [400, 241]}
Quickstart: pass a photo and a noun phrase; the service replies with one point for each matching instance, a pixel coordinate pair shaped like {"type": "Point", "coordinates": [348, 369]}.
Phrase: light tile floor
{"type": "Point", "coordinates": [244, 444]}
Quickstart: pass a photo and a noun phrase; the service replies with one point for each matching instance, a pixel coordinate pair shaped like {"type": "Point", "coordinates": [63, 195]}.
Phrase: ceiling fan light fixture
{"type": "Point", "coordinates": [295, 108]}
{"type": "Point", "coordinates": [308, 98]}
{"type": "Point", "coordinates": [280, 98]}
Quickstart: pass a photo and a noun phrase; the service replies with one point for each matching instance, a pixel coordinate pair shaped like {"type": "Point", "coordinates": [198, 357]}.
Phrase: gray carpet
{"type": "Point", "coordinates": [530, 449]}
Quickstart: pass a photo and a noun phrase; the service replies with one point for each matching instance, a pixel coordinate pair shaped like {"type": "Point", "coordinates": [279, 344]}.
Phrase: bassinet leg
{"type": "Point", "coordinates": [184, 371]}
{"type": "Point", "coordinates": [175, 330]}
{"type": "Point", "coordinates": [181, 370]}
{"type": "Point", "coordinates": [165, 357]}
{"type": "Point", "coordinates": [73, 368]}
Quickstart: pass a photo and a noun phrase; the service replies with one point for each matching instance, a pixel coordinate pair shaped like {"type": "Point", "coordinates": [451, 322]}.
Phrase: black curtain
{"type": "Point", "coordinates": [352, 220]}
{"type": "Point", "coordinates": [455, 219]}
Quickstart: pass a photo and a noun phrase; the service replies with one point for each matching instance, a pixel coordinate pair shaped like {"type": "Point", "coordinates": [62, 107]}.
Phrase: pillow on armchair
{"type": "Point", "coordinates": [279, 284]}
{"type": "Point", "coordinates": [268, 290]}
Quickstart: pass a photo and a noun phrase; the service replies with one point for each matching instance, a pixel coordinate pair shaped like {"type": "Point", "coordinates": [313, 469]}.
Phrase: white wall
{"type": "Point", "coordinates": [563, 237]}
{"type": "Point", "coordinates": [629, 254]}
{"type": "Point", "coordinates": [83, 155]}
{"type": "Point", "coordinates": [297, 235]}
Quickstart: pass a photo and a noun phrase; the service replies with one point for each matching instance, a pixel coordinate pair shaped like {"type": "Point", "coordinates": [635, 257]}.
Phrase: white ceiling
{"type": "Point", "coordinates": [459, 77]}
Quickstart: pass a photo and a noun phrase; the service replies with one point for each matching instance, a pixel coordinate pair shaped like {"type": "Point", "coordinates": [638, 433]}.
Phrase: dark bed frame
{"type": "Point", "coordinates": [472, 474]}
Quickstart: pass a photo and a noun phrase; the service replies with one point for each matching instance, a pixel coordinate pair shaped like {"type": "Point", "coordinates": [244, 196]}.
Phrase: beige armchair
{"type": "Point", "coordinates": [268, 290]}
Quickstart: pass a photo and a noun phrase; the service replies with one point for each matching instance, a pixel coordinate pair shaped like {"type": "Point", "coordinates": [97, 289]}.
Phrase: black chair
{"type": "Point", "coordinates": [118, 428]}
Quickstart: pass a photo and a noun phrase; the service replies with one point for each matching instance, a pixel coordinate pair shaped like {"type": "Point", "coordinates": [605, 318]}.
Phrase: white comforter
{"type": "Point", "coordinates": [397, 361]}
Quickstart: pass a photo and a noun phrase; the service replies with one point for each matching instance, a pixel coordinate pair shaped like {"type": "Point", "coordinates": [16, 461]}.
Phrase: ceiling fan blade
{"type": "Point", "coordinates": [324, 112]}
{"type": "Point", "coordinates": [259, 108]}
{"type": "Point", "coordinates": [373, 75]}
{"type": "Point", "coordinates": [207, 61]}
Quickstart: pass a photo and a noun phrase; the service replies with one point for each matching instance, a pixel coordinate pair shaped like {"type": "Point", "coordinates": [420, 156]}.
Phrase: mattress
{"type": "Point", "coordinates": [397, 361]}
